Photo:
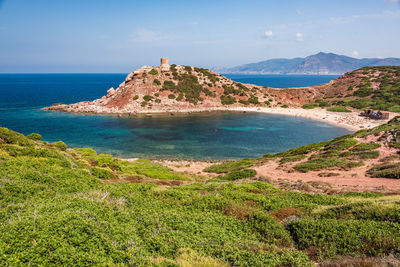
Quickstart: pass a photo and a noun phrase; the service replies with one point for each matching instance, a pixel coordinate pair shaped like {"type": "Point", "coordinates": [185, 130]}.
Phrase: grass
{"type": "Point", "coordinates": [309, 106]}
{"type": "Point", "coordinates": [324, 163]}
{"type": "Point", "coordinates": [235, 175]}
{"type": "Point", "coordinates": [338, 109]}
{"type": "Point", "coordinates": [230, 166]}
{"type": "Point", "coordinates": [386, 170]}
{"type": "Point", "coordinates": [385, 95]}
{"type": "Point", "coordinates": [65, 206]}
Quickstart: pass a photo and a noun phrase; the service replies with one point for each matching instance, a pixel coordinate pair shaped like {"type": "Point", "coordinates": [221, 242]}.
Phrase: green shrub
{"type": "Point", "coordinates": [366, 146]}
{"type": "Point", "coordinates": [153, 72]}
{"type": "Point", "coordinates": [395, 108]}
{"type": "Point", "coordinates": [323, 163]}
{"type": "Point", "coordinates": [60, 145]}
{"type": "Point", "coordinates": [339, 109]}
{"type": "Point", "coordinates": [346, 237]}
{"type": "Point", "coordinates": [321, 103]}
{"type": "Point", "coordinates": [102, 173]}
{"type": "Point", "coordinates": [180, 97]}
{"type": "Point", "coordinates": [230, 166]}
{"type": "Point", "coordinates": [147, 98]}
{"type": "Point", "coordinates": [309, 106]}
{"type": "Point", "coordinates": [292, 158]}
{"type": "Point", "coordinates": [171, 96]}
{"type": "Point", "coordinates": [35, 136]}
{"type": "Point", "coordinates": [156, 82]}
{"type": "Point", "coordinates": [366, 155]}
{"type": "Point", "coordinates": [136, 97]}
{"type": "Point", "coordinates": [227, 100]}
{"type": "Point", "coordinates": [284, 106]}
{"type": "Point", "coordinates": [168, 85]}
{"type": "Point", "coordinates": [235, 175]}
{"type": "Point", "coordinates": [386, 170]}
{"type": "Point", "coordinates": [10, 137]}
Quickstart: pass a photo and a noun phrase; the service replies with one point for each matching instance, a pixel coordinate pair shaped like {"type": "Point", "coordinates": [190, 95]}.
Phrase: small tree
{"type": "Point", "coordinates": [153, 72]}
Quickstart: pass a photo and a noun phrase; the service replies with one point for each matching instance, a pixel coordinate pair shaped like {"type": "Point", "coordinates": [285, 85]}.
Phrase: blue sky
{"type": "Point", "coordinates": [120, 35]}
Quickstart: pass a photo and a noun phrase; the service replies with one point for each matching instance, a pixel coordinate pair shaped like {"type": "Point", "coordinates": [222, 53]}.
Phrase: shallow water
{"type": "Point", "coordinates": [199, 136]}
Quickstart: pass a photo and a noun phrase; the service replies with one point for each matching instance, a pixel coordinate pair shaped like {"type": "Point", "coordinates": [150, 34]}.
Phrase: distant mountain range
{"type": "Point", "coordinates": [319, 64]}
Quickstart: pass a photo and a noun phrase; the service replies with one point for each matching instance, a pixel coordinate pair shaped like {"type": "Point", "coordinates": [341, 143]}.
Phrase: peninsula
{"type": "Point", "coordinates": [174, 88]}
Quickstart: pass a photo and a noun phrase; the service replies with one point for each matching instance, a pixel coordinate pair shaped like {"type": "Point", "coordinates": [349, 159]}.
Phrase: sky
{"type": "Point", "coordinates": [117, 36]}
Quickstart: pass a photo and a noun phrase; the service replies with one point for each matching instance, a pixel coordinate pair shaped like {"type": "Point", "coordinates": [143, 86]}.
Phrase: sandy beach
{"type": "Point", "coordinates": [349, 120]}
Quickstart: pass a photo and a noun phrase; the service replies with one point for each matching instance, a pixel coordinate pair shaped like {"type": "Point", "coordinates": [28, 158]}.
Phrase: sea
{"type": "Point", "coordinates": [212, 136]}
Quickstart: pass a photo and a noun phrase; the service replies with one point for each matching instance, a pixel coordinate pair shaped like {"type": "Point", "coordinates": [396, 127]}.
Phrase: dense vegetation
{"type": "Point", "coordinates": [63, 206]}
{"type": "Point", "coordinates": [376, 88]}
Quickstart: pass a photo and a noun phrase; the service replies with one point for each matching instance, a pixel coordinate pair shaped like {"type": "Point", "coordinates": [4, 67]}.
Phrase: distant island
{"type": "Point", "coordinates": [318, 64]}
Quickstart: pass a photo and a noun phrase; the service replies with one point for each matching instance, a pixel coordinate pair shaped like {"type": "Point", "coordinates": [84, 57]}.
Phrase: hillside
{"type": "Point", "coordinates": [64, 206]}
{"type": "Point", "coordinates": [191, 89]}
{"type": "Point", "coordinates": [151, 89]}
{"type": "Point", "coordinates": [348, 160]}
{"type": "Point", "coordinates": [321, 63]}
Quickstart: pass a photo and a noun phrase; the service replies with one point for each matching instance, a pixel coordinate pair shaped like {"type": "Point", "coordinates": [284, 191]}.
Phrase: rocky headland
{"type": "Point", "coordinates": [175, 88]}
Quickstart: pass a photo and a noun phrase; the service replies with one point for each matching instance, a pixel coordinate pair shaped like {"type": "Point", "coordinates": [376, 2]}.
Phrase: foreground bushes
{"type": "Point", "coordinates": [387, 170]}
{"type": "Point", "coordinates": [328, 237]}
{"type": "Point", "coordinates": [55, 210]}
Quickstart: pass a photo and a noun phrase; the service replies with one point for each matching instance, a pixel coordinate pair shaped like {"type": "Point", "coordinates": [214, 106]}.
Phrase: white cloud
{"type": "Point", "coordinates": [300, 12]}
{"type": "Point", "coordinates": [268, 34]}
{"type": "Point", "coordinates": [195, 23]}
{"type": "Point", "coordinates": [355, 53]}
{"type": "Point", "coordinates": [299, 37]}
{"type": "Point", "coordinates": [393, 1]}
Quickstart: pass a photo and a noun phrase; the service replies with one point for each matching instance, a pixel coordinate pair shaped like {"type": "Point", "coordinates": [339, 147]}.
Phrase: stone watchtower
{"type": "Point", "coordinates": [164, 64]}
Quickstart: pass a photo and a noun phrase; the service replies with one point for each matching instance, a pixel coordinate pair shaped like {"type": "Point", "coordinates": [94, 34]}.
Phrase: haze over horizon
{"type": "Point", "coordinates": [118, 36]}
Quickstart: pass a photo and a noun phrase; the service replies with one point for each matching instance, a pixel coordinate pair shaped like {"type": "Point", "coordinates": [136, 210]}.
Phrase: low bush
{"type": "Point", "coordinates": [156, 82]}
{"type": "Point", "coordinates": [292, 158]}
{"type": "Point", "coordinates": [136, 97]}
{"type": "Point", "coordinates": [147, 98]}
{"type": "Point", "coordinates": [35, 136]}
{"type": "Point", "coordinates": [339, 109]}
{"type": "Point", "coordinates": [386, 170]}
{"type": "Point", "coordinates": [235, 175]}
{"type": "Point", "coordinates": [227, 100]}
{"type": "Point", "coordinates": [60, 145]}
{"type": "Point", "coordinates": [395, 108]}
{"type": "Point", "coordinates": [153, 72]}
{"type": "Point", "coordinates": [171, 96]}
{"type": "Point", "coordinates": [230, 166]}
{"type": "Point", "coordinates": [309, 106]}
{"type": "Point", "coordinates": [366, 146]}
{"type": "Point", "coordinates": [346, 237]}
{"type": "Point", "coordinates": [324, 163]}
{"type": "Point", "coordinates": [168, 85]}
{"type": "Point", "coordinates": [102, 173]}
{"type": "Point", "coordinates": [365, 155]}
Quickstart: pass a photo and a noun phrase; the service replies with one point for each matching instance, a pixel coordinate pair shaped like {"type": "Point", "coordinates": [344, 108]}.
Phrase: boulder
{"type": "Point", "coordinates": [111, 91]}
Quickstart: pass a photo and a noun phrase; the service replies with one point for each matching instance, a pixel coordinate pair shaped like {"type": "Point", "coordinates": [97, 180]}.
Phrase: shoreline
{"type": "Point", "coordinates": [350, 121]}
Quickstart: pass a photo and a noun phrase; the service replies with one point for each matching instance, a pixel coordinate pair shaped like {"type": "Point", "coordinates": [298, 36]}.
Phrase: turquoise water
{"type": "Point", "coordinates": [200, 136]}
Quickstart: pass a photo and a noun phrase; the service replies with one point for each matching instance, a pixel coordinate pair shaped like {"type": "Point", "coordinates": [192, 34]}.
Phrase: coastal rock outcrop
{"type": "Point", "coordinates": [177, 88]}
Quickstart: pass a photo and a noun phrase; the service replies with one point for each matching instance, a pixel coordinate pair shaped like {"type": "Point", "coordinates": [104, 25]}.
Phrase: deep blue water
{"type": "Point", "coordinates": [201, 136]}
